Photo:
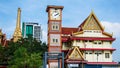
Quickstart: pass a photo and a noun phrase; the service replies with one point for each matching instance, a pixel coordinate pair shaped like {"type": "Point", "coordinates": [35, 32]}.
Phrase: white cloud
{"type": "Point", "coordinates": [112, 27]}
{"type": "Point", "coordinates": [44, 36]}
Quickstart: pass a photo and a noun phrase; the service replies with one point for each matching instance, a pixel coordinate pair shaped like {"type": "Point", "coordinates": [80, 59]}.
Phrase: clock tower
{"type": "Point", "coordinates": [54, 28]}
{"type": "Point", "coordinates": [54, 32]}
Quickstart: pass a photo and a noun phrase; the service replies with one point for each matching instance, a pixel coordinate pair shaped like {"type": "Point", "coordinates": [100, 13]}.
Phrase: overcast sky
{"type": "Point", "coordinates": [74, 12]}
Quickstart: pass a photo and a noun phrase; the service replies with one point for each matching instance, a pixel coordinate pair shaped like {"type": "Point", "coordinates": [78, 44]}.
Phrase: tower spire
{"type": "Point", "coordinates": [17, 34]}
{"type": "Point", "coordinates": [18, 18]}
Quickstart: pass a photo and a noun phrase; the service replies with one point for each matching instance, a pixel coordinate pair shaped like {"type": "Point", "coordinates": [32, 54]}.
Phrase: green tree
{"type": "Point", "coordinates": [35, 60]}
{"type": "Point", "coordinates": [1, 54]}
{"type": "Point", "coordinates": [3, 58]}
{"type": "Point", "coordinates": [19, 59]}
{"type": "Point", "coordinates": [26, 53]}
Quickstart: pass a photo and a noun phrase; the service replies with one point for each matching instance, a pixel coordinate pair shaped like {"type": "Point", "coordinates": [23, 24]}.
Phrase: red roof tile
{"type": "Point", "coordinates": [67, 30]}
{"type": "Point", "coordinates": [92, 38]}
{"type": "Point", "coordinates": [97, 49]}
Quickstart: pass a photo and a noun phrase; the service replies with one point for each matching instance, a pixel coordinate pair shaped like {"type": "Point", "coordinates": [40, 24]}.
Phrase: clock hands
{"type": "Point", "coordinates": [56, 14]}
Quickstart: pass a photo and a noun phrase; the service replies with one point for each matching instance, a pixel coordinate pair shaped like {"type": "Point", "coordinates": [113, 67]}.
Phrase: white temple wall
{"type": "Point", "coordinates": [91, 33]}
{"type": "Point", "coordinates": [107, 59]}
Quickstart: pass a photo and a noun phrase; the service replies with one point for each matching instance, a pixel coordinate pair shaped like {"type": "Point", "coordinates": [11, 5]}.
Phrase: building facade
{"type": "Point", "coordinates": [54, 32]}
{"type": "Point", "coordinates": [31, 29]}
{"type": "Point", "coordinates": [87, 45]}
{"type": "Point", "coordinates": [91, 39]}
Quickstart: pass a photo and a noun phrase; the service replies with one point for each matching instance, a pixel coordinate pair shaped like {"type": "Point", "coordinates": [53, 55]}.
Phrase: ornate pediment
{"type": "Point", "coordinates": [76, 54]}
{"type": "Point", "coordinates": [92, 23]}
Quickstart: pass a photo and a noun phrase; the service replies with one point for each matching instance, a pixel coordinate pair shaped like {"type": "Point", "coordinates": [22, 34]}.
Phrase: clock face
{"type": "Point", "coordinates": [55, 14]}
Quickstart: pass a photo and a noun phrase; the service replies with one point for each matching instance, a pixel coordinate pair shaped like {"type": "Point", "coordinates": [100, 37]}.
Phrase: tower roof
{"type": "Point", "coordinates": [53, 6]}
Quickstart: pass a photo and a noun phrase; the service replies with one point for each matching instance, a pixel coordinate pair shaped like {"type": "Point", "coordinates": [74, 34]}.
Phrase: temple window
{"type": "Point", "coordinates": [107, 55]}
{"type": "Point", "coordinates": [86, 52]}
{"type": "Point", "coordinates": [90, 40]}
{"type": "Point", "coordinates": [55, 40]}
{"type": "Point", "coordinates": [88, 31]}
{"type": "Point", "coordinates": [77, 40]}
{"type": "Point", "coordinates": [97, 42]}
{"type": "Point", "coordinates": [97, 31]}
{"type": "Point", "coordinates": [55, 26]}
{"type": "Point", "coordinates": [90, 53]}
{"type": "Point", "coordinates": [85, 40]}
{"type": "Point", "coordinates": [98, 53]}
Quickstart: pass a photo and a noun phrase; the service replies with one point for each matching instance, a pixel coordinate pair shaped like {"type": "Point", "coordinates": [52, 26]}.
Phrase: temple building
{"type": "Point", "coordinates": [91, 39]}
{"type": "Point", "coordinates": [3, 40]}
{"type": "Point", "coordinates": [86, 46]}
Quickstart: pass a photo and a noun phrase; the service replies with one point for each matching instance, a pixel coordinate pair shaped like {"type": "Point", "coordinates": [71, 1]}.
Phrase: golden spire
{"type": "Point", "coordinates": [17, 34]}
{"type": "Point", "coordinates": [18, 18]}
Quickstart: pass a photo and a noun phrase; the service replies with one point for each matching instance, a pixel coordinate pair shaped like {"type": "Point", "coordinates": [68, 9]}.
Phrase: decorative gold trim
{"type": "Point", "coordinates": [77, 33]}
{"type": "Point", "coordinates": [76, 48]}
{"type": "Point", "coordinates": [89, 17]}
{"type": "Point", "coordinates": [108, 34]}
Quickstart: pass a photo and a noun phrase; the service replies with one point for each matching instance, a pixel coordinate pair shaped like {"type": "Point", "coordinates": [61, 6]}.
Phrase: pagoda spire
{"type": "Point", "coordinates": [18, 18]}
{"type": "Point", "coordinates": [17, 34]}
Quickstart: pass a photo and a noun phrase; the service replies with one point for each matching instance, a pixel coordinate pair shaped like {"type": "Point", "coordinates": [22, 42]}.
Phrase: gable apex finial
{"type": "Point", "coordinates": [92, 11]}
